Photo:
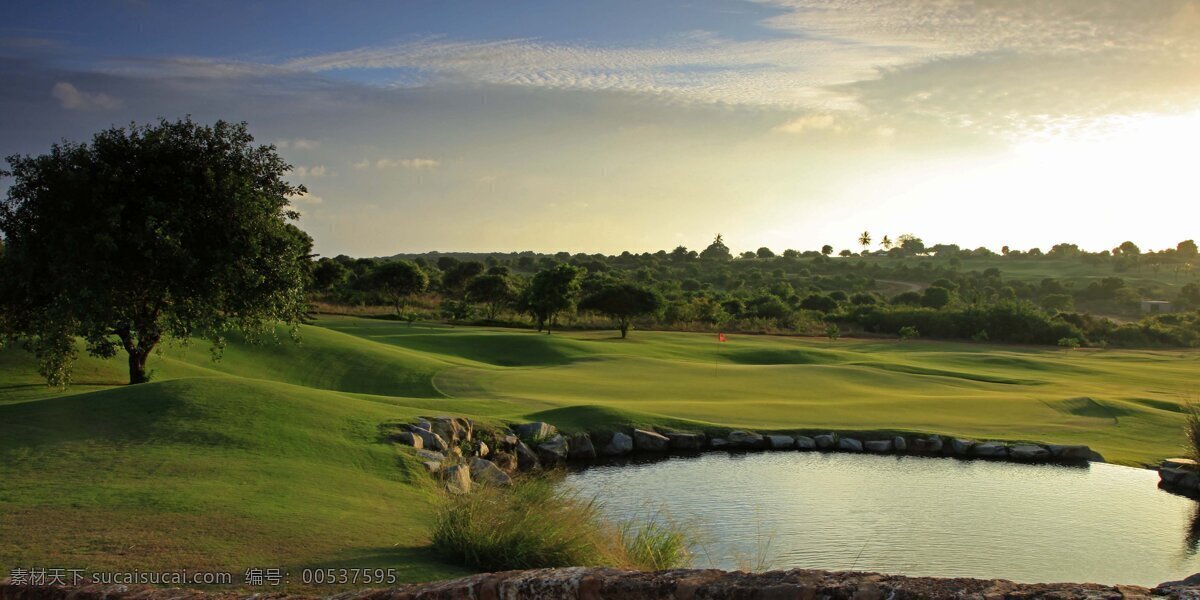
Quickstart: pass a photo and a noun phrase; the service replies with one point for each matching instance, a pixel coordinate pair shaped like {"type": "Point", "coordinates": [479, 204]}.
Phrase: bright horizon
{"type": "Point", "coordinates": [633, 126]}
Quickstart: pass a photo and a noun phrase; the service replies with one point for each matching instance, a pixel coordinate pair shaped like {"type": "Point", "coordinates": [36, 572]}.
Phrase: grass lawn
{"type": "Point", "coordinates": [273, 456]}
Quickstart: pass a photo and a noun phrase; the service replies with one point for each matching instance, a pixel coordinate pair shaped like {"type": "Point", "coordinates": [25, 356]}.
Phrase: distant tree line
{"type": "Point", "coordinates": [792, 291]}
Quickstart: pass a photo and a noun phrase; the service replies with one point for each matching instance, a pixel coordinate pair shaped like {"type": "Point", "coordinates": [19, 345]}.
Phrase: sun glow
{"type": "Point", "coordinates": [1135, 177]}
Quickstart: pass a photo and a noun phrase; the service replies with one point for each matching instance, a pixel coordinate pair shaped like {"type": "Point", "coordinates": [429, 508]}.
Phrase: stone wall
{"type": "Point", "coordinates": [690, 584]}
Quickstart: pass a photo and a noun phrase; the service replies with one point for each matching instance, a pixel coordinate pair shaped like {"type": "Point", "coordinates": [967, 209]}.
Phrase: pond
{"type": "Point", "coordinates": [913, 515]}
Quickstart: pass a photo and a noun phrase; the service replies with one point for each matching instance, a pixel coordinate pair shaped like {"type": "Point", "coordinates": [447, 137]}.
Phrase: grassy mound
{"type": "Point", "coordinates": [209, 473]}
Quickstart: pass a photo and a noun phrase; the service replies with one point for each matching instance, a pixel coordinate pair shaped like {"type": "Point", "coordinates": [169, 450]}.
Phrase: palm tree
{"type": "Point", "coordinates": [864, 240]}
{"type": "Point", "coordinates": [886, 243]}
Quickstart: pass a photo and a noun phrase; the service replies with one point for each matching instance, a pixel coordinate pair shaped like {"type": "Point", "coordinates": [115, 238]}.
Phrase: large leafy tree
{"type": "Point", "coordinates": [398, 279]}
{"type": "Point", "coordinates": [623, 302]}
{"type": "Point", "coordinates": [552, 291]}
{"type": "Point", "coordinates": [174, 229]}
{"type": "Point", "coordinates": [493, 290]}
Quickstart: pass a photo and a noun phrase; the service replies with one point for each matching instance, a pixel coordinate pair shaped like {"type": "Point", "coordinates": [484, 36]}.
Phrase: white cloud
{"type": "Point", "coordinates": [298, 144]}
{"type": "Point", "coordinates": [808, 123]}
{"type": "Point", "coordinates": [313, 171]}
{"type": "Point", "coordinates": [407, 163]}
{"type": "Point", "coordinates": [72, 98]}
{"type": "Point", "coordinates": [824, 55]}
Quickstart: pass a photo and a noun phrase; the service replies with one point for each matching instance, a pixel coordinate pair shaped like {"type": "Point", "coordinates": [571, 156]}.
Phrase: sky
{"type": "Point", "coordinates": [643, 125]}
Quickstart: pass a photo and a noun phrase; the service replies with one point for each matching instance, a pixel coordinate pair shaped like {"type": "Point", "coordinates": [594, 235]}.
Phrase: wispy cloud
{"type": "Point", "coordinates": [298, 144]}
{"type": "Point", "coordinates": [313, 171]}
{"type": "Point", "coordinates": [1068, 59]}
{"type": "Point", "coordinates": [806, 123]}
{"type": "Point", "coordinates": [403, 163]}
{"type": "Point", "coordinates": [72, 98]}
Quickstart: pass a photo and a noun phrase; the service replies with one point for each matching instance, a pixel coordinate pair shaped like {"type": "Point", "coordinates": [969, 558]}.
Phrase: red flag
{"type": "Point", "coordinates": [720, 337]}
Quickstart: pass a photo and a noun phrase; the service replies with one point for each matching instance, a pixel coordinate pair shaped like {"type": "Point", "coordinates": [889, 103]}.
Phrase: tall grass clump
{"type": "Point", "coordinates": [535, 524]}
{"type": "Point", "coordinates": [1191, 412]}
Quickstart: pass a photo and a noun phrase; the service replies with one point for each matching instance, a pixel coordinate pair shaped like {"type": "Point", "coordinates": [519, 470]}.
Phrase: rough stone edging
{"type": "Point", "coordinates": [683, 584]}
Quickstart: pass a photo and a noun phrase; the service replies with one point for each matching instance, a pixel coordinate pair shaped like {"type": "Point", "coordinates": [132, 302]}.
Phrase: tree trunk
{"type": "Point", "coordinates": [137, 367]}
{"type": "Point", "coordinates": [138, 351]}
{"type": "Point", "coordinates": [624, 328]}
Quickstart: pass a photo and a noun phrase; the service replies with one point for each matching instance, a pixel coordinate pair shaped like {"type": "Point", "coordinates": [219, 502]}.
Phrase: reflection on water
{"type": "Point", "coordinates": [915, 516]}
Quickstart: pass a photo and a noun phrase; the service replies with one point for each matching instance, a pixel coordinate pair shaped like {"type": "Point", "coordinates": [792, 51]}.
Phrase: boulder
{"type": "Point", "coordinates": [410, 439]}
{"type": "Point", "coordinates": [432, 466]}
{"type": "Point", "coordinates": [1180, 478]}
{"type": "Point", "coordinates": [1029, 452]}
{"type": "Point", "coordinates": [431, 455]}
{"type": "Point", "coordinates": [1066, 453]}
{"type": "Point", "coordinates": [620, 445]}
{"type": "Point", "coordinates": [878, 446]}
{"type": "Point", "coordinates": [553, 450]}
{"type": "Point", "coordinates": [686, 441]}
{"type": "Point", "coordinates": [534, 432]}
{"type": "Point", "coordinates": [850, 445]}
{"type": "Point", "coordinates": [507, 441]}
{"type": "Point", "coordinates": [430, 439]}
{"type": "Point", "coordinates": [929, 445]}
{"type": "Point", "coordinates": [825, 441]}
{"type": "Point", "coordinates": [648, 441]}
{"type": "Point", "coordinates": [1171, 463]}
{"type": "Point", "coordinates": [422, 424]}
{"type": "Point", "coordinates": [900, 444]}
{"type": "Point", "coordinates": [803, 442]}
{"type": "Point", "coordinates": [481, 449]}
{"type": "Point", "coordinates": [718, 443]}
{"type": "Point", "coordinates": [990, 450]}
{"type": "Point", "coordinates": [507, 462]}
{"type": "Point", "coordinates": [781, 442]}
{"type": "Point", "coordinates": [745, 439]}
{"type": "Point", "coordinates": [486, 472]}
{"type": "Point", "coordinates": [1190, 481]}
{"type": "Point", "coordinates": [458, 479]}
{"type": "Point", "coordinates": [452, 429]}
{"type": "Point", "coordinates": [961, 447]}
{"type": "Point", "coordinates": [580, 447]}
{"type": "Point", "coordinates": [526, 459]}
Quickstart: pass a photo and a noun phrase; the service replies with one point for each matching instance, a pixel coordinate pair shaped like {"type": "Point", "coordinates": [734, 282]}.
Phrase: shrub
{"type": "Point", "coordinates": [535, 524]}
{"type": "Point", "coordinates": [1192, 413]}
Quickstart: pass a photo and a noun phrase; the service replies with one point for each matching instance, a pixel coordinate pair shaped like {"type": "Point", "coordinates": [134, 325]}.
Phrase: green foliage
{"type": "Point", "coordinates": [1187, 249]}
{"type": "Point", "coordinates": [908, 332]}
{"type": "Point", "coordinates": [1058, 302]}
{"type": "Point", "coordinates": [1068, 343]}
{"type": "Point", "coordinates": [552, 291]}
{"type": "Point", "coordinates": [459, 275]}
{"type": "Point", "coordinates": [398, 279]}
{"type": "Point", "coordinates": [936, 297]}
{"type": "Point", "coordinates": [173, 230]}
{"type": "Point", "coordinates": [717, 250]}
{"type": "Point", "coordinates": [535, 524]}
{"type": "Point", "coordinates": [1191, 411]}
{"type": "Point", "coordinates": [819, 302]}
{"type": "Point", "coordinates": [328, 274]}
{"type": "Point", "coordinates": [623, 302]}
{"type": "Point", "coordinates": [833, 332]}
{"type": "Point", "coordinates": [493, 290]}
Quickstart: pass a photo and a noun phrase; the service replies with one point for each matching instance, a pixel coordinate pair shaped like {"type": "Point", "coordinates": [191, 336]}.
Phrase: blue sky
{"type": "Point", "coordinates": [642, 125]}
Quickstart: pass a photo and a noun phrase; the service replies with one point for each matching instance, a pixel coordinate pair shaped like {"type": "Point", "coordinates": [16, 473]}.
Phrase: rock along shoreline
{"type": "Point", "coordinates": [462, 453]}
{"type": "Point", "coordinates": [682, 584]}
